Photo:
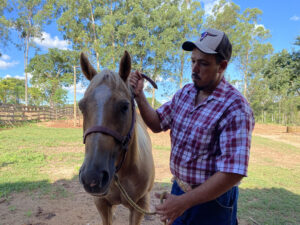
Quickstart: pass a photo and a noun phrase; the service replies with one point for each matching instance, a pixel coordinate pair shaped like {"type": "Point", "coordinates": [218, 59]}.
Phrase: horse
{"type": "Point", "coordinates": [116, 143]}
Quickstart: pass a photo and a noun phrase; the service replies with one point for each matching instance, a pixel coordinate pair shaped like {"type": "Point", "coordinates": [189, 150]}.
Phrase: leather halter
{"type": "Point", "coordinates": [123, 140]}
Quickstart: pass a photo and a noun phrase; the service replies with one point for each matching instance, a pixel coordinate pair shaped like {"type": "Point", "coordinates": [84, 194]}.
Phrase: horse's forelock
{"type": "Point", "coordinates": [110, 78]}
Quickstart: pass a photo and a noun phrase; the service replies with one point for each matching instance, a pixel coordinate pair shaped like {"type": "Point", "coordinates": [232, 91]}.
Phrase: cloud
{"type": "Point", "coordinates": [5, 57]}
{"type": "Point", "coordinates": [295, 18]}
{"type": "Point", "coordinates": [4, 64]}
{"type": "Point", "coordinates": [29, 76]}
{"type": "Point", "coordinates": [80, 88]}
{"type": "Point", "coordinates": [47, 41]}
{"type": "Point", "coordinates": [209, 5]}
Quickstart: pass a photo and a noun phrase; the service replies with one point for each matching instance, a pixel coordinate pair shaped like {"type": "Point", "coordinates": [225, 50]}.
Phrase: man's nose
{"type": "Point", "coordinates": [195, 68]}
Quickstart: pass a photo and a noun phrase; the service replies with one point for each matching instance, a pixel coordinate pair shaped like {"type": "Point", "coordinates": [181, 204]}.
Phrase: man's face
{"type": "Point", "coordinates": [206, 73]}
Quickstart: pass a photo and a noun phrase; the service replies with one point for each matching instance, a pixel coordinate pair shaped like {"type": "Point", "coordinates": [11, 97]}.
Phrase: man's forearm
{"type": "Point", "coordinates": [214, 187]}
{"type": "Point", "coordinates": [148, 114]}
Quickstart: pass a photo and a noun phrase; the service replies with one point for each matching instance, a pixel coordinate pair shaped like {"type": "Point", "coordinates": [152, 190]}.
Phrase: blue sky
{"type": "Point", "coordinates": [282, 18]}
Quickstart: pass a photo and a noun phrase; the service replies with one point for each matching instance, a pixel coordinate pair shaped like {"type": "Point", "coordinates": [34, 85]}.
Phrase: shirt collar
{"type": "Point", "coordinates": [220, 91]}
{"type": "Point", "coordinates": [218, 94]}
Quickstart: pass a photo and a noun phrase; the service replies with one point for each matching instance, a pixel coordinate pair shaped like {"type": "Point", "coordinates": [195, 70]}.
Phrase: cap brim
{"type": "Point", "coordinates": [189, 46]}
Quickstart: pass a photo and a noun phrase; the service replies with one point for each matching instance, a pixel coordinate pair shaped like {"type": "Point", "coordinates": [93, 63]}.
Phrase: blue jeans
{"type": "Point", "coordinates": [221, 211]}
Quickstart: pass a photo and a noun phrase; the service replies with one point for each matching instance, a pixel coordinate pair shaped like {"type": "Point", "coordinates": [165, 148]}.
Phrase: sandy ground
{"type": "Point", "coordinates": [77, 207]}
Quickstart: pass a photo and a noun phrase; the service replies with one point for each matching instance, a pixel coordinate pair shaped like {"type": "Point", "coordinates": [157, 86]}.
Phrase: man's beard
{"type": "Point", "coordinates": [198, 88]}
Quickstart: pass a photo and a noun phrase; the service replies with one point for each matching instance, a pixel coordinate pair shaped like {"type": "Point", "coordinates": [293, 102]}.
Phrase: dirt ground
{"type": "Point", "coordinates": [77, 208]}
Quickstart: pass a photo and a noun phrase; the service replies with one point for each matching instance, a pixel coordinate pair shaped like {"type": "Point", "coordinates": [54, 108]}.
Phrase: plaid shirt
{"type": "Point", "coordinates": [212, 136]}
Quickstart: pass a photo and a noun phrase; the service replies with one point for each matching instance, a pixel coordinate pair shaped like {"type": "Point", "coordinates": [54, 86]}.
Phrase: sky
{"type": "Point", "coordinates": [282, 18]}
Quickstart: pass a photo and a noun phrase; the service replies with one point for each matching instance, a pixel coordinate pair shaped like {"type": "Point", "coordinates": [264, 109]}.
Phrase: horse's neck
{"type": "Point", "coordinates": [139, 139]}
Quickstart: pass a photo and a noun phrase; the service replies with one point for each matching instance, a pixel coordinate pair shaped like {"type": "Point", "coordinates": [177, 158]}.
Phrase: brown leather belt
{"type": "Point", "coordinates": [183, 185]}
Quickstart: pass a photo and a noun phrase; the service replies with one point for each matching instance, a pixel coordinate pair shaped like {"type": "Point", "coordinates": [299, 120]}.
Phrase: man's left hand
{"type": "Point", "coordinates": [172, 207]}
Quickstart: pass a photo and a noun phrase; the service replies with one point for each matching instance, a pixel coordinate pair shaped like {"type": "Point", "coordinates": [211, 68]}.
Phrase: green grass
{"type": "Point", "coordinates": [269, 195]}
{"type": "Point", "coordinates": [271, 192]}
{"type": "Point", "coordinates": [25, 151]}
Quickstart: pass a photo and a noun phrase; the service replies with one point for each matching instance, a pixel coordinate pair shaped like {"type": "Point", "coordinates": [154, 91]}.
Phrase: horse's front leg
{"type": "Point", "coordinates": [135, 216]}
{"type": "Point", "coordinates": [105, 209]}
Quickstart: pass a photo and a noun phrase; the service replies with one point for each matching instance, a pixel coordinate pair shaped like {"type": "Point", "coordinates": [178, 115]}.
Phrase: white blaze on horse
{"type": "Point", "coordinates": [116, 142]}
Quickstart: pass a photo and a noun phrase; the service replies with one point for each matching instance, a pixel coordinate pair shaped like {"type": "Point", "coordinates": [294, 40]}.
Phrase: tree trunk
{"type": "Point", "coordinates": [181, 69]}
{"type": "Point", "coordinates": [246, 76]}
{"type": "Point", "coordinates": [95, 37]}
{"type": "Point", "coordinates": [25, 67]}
{"type": "Point", "coordinates": [75, 116]}
{"type": "Point", "coordinates": [153, 98]}
{"type": "Point", "coordinates": [112, 39]}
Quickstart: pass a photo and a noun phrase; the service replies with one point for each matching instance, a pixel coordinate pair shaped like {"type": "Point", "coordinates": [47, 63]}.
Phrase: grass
{"type": "Point", "coordinates": [271, 192]}
{"type": "Point", "coordinates": [33, 156]}
{"type": "Point", "coordinates": [27, 152]}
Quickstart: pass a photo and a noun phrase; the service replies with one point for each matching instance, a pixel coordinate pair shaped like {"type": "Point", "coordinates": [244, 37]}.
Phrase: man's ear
{"type": "Point", "coordinates": [223, 65]}
{"type": "Point", "coordinates": [125, 66]}
{"type": "Point", "coordinates": [87, 69]}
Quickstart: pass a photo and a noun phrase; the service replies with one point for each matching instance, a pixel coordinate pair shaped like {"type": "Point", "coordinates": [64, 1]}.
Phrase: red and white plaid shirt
{"type": "Point", "coordinates": [212, 136]}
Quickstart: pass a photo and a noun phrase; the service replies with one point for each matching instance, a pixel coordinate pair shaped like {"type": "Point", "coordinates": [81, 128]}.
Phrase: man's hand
{"type": "Point", "coordinates": [137, 82]}
{"type": "Point", "coordinates": [171, 208]}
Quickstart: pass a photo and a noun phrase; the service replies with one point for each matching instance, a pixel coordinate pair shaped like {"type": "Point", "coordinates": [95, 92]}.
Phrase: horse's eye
{"type": "Point", "coordinates": [124, 107]}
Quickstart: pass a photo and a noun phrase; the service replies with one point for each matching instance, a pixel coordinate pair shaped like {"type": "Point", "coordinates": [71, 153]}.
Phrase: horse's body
{"type": "Point", "coordinates": [107, 103]}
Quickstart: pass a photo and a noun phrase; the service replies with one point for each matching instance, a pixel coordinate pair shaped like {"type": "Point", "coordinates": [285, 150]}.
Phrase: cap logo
{"type": "Point", "coordinates": [205, 34]}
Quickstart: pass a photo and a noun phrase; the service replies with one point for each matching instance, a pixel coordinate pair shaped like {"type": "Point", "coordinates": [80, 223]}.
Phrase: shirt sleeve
{"type": "Point", "coordinates": [165, 112]}
{"type": "Point", "coordinates": [235, 142]}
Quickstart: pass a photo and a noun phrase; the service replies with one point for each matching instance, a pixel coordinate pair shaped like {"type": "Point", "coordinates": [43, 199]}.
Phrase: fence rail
{"type": "Point", "coordinates": [12, 114]}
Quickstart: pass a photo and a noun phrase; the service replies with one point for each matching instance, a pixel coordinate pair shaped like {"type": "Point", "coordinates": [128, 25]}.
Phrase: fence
{"type": "Point", "coordinates": [12, 114]}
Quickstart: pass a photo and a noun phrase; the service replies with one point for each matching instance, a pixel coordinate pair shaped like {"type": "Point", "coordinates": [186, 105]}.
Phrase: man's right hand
{"type": "Point", "coordinates": [137, 82]}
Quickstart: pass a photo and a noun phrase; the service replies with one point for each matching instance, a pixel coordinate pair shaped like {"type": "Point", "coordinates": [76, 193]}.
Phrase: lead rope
{"type": "Point", "coordinates": [131, 202]}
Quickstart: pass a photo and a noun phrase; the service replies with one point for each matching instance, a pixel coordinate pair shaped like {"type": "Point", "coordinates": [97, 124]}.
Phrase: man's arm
{"type": "Point", "coordinates": [148, 114]}
{"type": "Point", "coordinates": [215, 186]}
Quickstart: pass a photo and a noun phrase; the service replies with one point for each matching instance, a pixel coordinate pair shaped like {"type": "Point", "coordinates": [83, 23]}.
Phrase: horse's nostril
{"type": "Point", "coordinates": [105, 178]}
{"type": "Point", "coordinates": [93, 184]}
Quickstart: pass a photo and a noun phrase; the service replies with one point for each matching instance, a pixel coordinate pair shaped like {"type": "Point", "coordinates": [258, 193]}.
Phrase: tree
{"type": "Point", "coordinates": [4, 23]}
{"type": "Point", "coordinates": [28, 22]}
{"type": "Point", "coordinates": [11, 90]}
{"type": "Point", "coordinates": [52, 72]}
{"type": "Point", "coordinates": [247, 36]}
{"type": "Point", "coordinates": [297, 42]}
{"type": "Point", "coordinates": [190, 20]}
{"type": "Point", "coordinates": [283, 77]}
{"type": "Point", "coordinates": [36, 96]}
{"type": "Point", "coordinates": [76, 20]}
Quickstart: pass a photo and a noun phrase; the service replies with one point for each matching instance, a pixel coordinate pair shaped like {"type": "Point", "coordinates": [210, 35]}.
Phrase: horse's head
{"type": "Point", "coordinates": [107, 112]}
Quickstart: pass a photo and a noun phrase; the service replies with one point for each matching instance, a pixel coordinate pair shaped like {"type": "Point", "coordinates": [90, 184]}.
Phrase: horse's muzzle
{"type": "Point", "coordinates": [94, 182]}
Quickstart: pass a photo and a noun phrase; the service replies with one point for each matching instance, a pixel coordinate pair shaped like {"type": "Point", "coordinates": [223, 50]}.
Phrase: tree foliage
{"type": "Point", "coordinates": [27, 20]}
{"type": "Point", "coordinates": [151, 30]}
{"type": "Point", "coordinates": [277, 91]}
{"type": "Point", "coordinates": [51, 72]}
{"type": "Point", "coordinates": [11, 90]}
{"type": "Point", "coordinates": [4, 24]}
{"type": "Point", "coordinates": [250, 49]}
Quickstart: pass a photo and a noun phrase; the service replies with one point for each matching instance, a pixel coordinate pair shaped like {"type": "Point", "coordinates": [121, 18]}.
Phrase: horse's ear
{"type": "Point", "coordinates": [125, 66]}
{"type": "Point", "coordinates": [87, 69]}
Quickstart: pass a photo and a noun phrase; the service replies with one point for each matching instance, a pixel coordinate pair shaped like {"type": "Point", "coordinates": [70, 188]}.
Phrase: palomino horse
{"type": "Point", "coordinates": [114, 143]}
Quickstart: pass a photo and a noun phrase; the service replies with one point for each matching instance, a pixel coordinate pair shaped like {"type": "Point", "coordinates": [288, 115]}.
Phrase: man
{"type": "Point", "coordinates": [211, 126]}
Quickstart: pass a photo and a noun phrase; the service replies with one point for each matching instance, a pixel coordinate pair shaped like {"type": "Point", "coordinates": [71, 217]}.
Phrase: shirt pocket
{"type": "Point", "coordinates": [200, 142]}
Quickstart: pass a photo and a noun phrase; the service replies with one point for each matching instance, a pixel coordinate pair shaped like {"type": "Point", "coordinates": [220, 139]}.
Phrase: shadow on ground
{"type": "Point", "coordinates": [65, 202]}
